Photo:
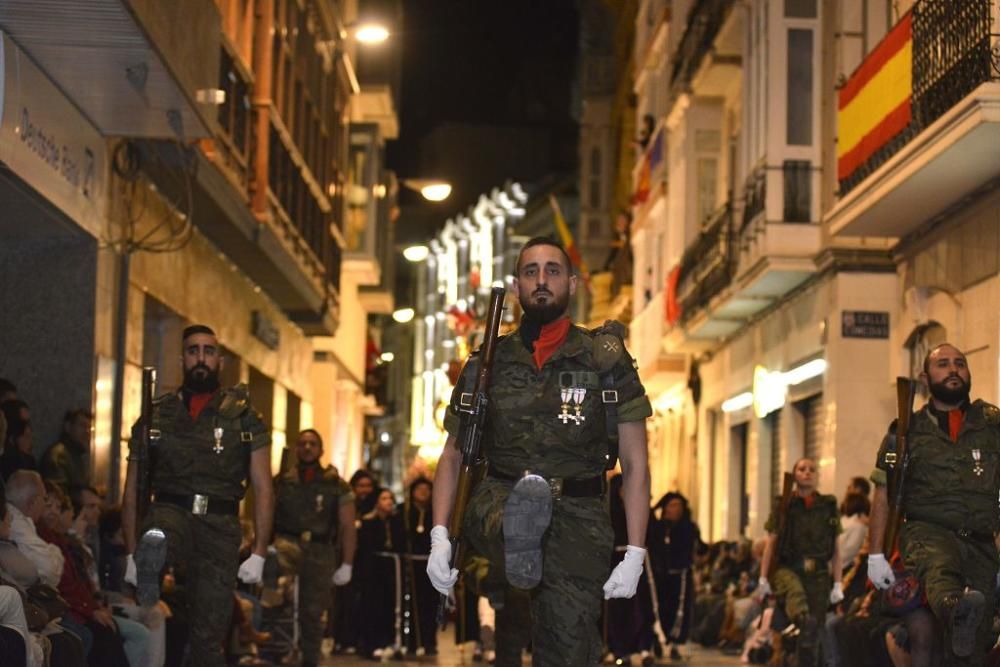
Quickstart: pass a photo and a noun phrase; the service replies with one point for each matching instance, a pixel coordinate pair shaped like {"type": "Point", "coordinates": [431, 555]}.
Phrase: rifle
{"type": "Point", "coordinates": [905, 390]}
{"type": "Point", "coordinates": [143, 488]}
{"type": "Point", "coordinates": [787, 484]}
{"type": "Point", "coordinates": [470, 435]}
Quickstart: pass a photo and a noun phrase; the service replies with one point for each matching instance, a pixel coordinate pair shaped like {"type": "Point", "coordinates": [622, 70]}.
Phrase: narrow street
{"type": "Point", "coordinates": [451, 655]}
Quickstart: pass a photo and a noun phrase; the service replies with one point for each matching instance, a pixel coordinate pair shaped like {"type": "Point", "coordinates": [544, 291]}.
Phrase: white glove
{"type": "Point", "coordinates": [442, 575]}
{"type": "Point", "coordinates": [625, 577]}
{"type": "Point", "coordinates": [837, 594]}
{"type": "Point", "coordinates": [342, 576]}
{"type": "Point", "coordinates": [880, 572]}
{"type": "Point", "coordinates": [763, 588]}
{"type": "Point", "coordinates": [131, 574]}
{"type": "Point", "coordinates": [251, 569]}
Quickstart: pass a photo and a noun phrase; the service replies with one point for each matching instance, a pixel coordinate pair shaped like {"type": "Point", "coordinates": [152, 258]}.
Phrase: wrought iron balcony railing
{"type": "Point", "coordinates": [955, 48]}
{"type": "Point", "coordinates": [704, 23]}
{"type": "Point", "coordinates": [708, 264]}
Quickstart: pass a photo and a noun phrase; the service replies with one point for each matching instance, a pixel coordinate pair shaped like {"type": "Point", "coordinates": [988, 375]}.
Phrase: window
{"type": "Point", "coordinates": [798, 191]}
{"type": "Point", "coordinates": [708, 168]}
{"type": "Point", "coordinates": [799, 101]}
{"type": "Point", "coordinates": [800, 9]}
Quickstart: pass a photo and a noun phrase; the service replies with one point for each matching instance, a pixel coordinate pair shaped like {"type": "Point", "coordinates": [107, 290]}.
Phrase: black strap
{"type": "Point", "coordinates": [592, 487]}
{"type": "Point", "coordinates": [610, 415]}
{"type": "Point", "coordinates": [216, 505]}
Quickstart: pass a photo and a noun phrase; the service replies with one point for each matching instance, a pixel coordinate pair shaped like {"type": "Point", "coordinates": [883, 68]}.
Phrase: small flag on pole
{"type": "Point", "coordinates": [567, 240]}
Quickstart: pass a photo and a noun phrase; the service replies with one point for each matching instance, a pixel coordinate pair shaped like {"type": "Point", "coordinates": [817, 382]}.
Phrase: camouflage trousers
{"type": "Point", "coordinates": [566, 605]}
{"type": "Point", "coordinates": [314, 564]}
{"type": "Point", "coordinates": [203, 551]}
{"type": "Point", "coordinates": [803, 593]}
{"type": "Point", "coordinates": [946, 564]}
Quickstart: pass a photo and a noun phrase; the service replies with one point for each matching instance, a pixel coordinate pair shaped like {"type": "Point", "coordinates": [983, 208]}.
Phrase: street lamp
{"type": "Point", "coordinates": [416, 253]}
{"type": "Point", "coordinates": [403, 315]}
{"type": "Point", "coordinates": [371, 33]}
{"type": "Point", "coordinates": [431, 189]}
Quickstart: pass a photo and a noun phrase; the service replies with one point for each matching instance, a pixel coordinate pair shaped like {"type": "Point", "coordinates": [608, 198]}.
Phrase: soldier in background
{"type": "Point", "coordinates": [808, 577]}
{"type": "Point", "coordinates": [548, 531]}
{"type": "Point", "coordinates": [950, 504]}
{"type": "Point", "coordinates": [314, 514]}
{"type": "Point", "coordinates": [207, 442]}
{"type": "Point", "coordinates": [67, 461]}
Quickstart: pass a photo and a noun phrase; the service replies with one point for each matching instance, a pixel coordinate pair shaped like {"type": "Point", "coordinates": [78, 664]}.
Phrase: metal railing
{"type": "Point", "coordinates": [708, 264]}
{"type": "Point", "coordinates": [704, 23]}
{"type": "Point", "coordinates": [956, 48]}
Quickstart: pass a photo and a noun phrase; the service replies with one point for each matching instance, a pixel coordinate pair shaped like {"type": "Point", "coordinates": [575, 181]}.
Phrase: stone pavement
{"type": "Point", "coordinates": [450, 655]}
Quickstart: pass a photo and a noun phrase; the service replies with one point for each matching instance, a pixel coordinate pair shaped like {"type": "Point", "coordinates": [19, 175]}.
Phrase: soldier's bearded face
{"type": "Point", "coordinates": [948, 377]}
{"type": "Point", "coordinates": [544, 283]}
{"type": "Point", "coordinates": [202, 361]}
{"type": "Point", "coordinates": [308, 448]}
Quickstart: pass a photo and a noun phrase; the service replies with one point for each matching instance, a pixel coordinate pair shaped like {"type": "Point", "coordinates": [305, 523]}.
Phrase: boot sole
{"type": "Point", "coordinates": [965, 623]}
{"type": "Point", "coordinates": [150, 556]}
{"type": "Point", "coordinates": [526, 517]}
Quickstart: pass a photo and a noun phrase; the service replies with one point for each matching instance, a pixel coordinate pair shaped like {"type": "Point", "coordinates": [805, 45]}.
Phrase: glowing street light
{"type": "Point", "coordinates": [416, 253]}
{"type": "Point", "coordinates": [371, 33]}
{"type": "Point", "coordinates": [403, 315]}
{"type": "Point", "coordinates": [431, 190]}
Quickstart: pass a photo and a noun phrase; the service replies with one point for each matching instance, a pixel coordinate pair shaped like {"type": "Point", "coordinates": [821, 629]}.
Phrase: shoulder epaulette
{"type": "Point", "coordinates": [991, 413]}
{"type": "Point", "coordinates": [235, 401]}
{"type": "Point", "coordinates": [609, 344]}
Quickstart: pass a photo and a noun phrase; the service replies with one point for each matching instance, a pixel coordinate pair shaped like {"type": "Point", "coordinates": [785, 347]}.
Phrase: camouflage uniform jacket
{"type": "Point", "coordinates": [945, 483]}
{"type": "Point", "coordinates": [186, 456]}
{"type": "Point", "coordinates": [312, 506]}
{"type": "Point", "coordinates": [811, 531]}
{"type": "Point", "coordinates": [528, 427]}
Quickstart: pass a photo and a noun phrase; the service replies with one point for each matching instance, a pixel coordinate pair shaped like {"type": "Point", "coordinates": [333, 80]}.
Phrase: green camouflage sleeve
{"type": "Point", "coordinates": [880, 473]}
{"type": "Point", "coordinates": [253, 423]}
{"type": "Point", "coordinates": [466, 383]}
{"type": "Point", "coordinates": [633, 404]}
{"type": "Point", "coordinates": [346, 494]}
{"type": "Point", "coordinates": [771, 525]}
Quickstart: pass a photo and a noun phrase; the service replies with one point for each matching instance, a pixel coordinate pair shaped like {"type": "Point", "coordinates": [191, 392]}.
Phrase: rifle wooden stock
{"type": "Point", "coordinates": [787, 487]}
{"type": "Point", "coordinates": [143, 489]}
{"type": "Point", "coordinates": [470, 435]}
{"type": "Point", "coordinates": [905, 389]}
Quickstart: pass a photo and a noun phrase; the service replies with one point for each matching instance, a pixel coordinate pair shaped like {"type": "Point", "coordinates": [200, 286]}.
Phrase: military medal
{"type": "Point", "coordinates": [578, 395]}
{"type": "Point", "coordinates": [977, 456]}
{"type": "Point", "coordinates": [565, 394]}
{"type": "Point", "coordinates": [319, 502]}
{"type": "Point", "coordinates": [218, 440]}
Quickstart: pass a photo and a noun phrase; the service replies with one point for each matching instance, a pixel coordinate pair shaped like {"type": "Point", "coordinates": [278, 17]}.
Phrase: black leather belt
{"type": "Point", "coordinates": [964, 533]}
{"type": "Point", "coordinates": [197, 503]}
{"type": "Point", "coordinates": [593, 487]}
{"type": "Point", "coordinates": [305, 536]}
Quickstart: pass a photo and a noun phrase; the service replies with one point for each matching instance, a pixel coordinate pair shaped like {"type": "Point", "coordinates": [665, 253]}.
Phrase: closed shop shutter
{"type": "Point", "coordinates": [812, 411]}
{"type": "Point", "coordinates": [774, 425]}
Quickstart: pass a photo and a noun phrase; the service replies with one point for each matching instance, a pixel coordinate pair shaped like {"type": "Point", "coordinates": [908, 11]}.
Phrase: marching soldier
{"type": "Point", "coordinates": [314, 512]}
{"type": "Point", "coordinates": [207, 442]}
{"type": "Point", "coordinates": [558, 392]}
{"type": "Point", "coordinates": [950, 507]}
{"type": "Point", "coordinates": [808, 576]}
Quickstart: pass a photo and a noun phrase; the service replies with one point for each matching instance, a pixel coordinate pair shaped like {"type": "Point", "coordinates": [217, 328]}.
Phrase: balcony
{"type": "Point", "coordinates": [934, 137]}
{"type": "Point", "coordinates": [700, 47]}
{"type": "Point", "coordinates": [707, 265]}
{"type": "Point", "coordinates": [150, 72]}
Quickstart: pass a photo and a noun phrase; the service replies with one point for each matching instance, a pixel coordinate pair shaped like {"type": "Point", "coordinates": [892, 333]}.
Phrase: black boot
{"type": "Point", "coordinates": [807, 640]}
{"type": "Point", "coordinates": [963, 614]}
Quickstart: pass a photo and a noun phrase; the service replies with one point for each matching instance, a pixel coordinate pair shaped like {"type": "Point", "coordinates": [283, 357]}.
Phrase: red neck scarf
{"type": "Point", "coordinates": [955, 418]}
{"type": "Point", "coordinates": [551, 337]}
{"type": "Point", "coordinates": [198, 403]}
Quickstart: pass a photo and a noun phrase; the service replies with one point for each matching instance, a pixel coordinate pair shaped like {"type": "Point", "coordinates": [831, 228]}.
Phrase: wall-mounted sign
{"type": "Point", "coordinates": [264, 330]}
{"type": "Point", "coordinates": [48, 143]}
{"type": "Point", "coordinates": [864, 324]}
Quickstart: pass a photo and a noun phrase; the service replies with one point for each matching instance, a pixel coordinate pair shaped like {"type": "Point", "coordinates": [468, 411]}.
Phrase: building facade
{"type": "Point", "coordinates": [219, 182]}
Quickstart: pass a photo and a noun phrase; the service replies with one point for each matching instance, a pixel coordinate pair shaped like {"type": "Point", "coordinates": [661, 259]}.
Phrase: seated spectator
{"type": "Point", "coordinates": [17, 445]}
{"type": "Point", "coordinates": [111, 577]}
{"type": "Point", "coordinates": [854, 524]}
{"type": "Point", "coordinates": [26, 504]}
{"type": "Point", "coordinates": [113, 643]}
{"type": "Point", "coordinates": [67, 461]}
{"type": "Point", "coordinates": [19, 572]}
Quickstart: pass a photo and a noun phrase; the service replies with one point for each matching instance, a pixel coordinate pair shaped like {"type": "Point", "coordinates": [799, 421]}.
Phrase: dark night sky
{"type": "Point", "coordinates": [485, 62]}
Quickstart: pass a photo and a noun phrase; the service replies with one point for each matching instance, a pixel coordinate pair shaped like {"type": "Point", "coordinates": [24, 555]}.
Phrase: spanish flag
{"type": "Point", "coordinates": [874, 105]}
{"type": "Point", "coordinates": [567, 240]}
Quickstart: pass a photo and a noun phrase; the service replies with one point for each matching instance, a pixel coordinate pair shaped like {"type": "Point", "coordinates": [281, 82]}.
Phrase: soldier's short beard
{"type": "Point", "coordinates": [201, 384]}
{"type": "Point", "coordinates": [539, 315]}
{"type": "Point", "coordinates": [943, 393]}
